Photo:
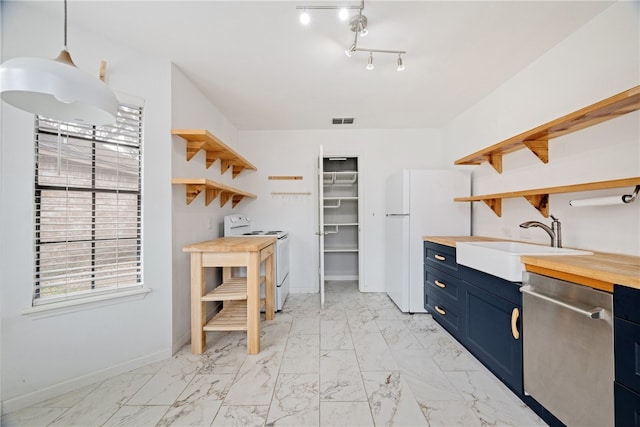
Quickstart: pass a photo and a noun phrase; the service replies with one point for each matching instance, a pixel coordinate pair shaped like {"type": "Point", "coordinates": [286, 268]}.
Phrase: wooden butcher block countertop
{"type": "Point", "coordinates": [232, 244]}
{"type": "Point", "coordinates": [452, 240]}
{"type": "Point", "coordinates": [600, 270]}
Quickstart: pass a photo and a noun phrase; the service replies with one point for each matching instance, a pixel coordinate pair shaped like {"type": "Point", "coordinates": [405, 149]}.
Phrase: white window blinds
{"type": "Point", "coordinates": [88, 201]}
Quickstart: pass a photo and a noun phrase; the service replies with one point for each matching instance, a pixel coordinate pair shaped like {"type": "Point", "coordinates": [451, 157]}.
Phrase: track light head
{"type": "Point", "coordinates": [400, 63]}
{"type": "Point", "coordinates": [350, 51]}
{"type": "Point", "coordinates": [305, 18]}
{"type": "Point", "coordinates": [370, 61]}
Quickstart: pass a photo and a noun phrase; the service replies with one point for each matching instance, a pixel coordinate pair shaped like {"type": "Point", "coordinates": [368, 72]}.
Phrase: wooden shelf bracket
{"type": "Point", "coordinates": [540, 148]}
{"type": "Point", "coordinates": [540, 202]}
{"type": "Point", "coordinates": [495, 160]}
{"type": "Point", "coordinates": [495, 205]}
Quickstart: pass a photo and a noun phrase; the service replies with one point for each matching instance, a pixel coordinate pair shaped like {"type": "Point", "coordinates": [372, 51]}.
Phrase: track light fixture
{"type": "Point", "coordinates": [358, 24]}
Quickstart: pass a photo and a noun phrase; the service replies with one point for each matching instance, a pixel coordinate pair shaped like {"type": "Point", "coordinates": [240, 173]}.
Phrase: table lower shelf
{"type": "Point", "coordinates": [232, 317]}
{"type": "Point", "coordinates": [234, 288]}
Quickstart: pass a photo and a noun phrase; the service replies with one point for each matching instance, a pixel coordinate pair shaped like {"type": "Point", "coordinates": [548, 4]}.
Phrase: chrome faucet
{"type": "Point", "coordinates": [555, 231]}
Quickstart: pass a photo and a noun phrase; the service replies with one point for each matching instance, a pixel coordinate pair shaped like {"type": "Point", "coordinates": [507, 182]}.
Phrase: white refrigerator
{"type": "Point", "coordinates": [420, 203]}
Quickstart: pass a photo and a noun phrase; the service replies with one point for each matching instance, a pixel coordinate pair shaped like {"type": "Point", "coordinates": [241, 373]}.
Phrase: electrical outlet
{"type": "Point", "coordinates": [210, 224]}
{"type": "Point", "coordinates": [506, 231]}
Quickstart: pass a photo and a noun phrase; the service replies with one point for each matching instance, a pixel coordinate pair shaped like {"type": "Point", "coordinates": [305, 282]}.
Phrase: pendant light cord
{"type": "Point", "coordinates": [65, 24]}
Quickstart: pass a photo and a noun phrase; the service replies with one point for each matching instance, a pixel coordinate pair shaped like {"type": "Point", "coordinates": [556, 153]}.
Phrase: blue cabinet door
{"type": "Point", "coordinates": [492, 333]}
{"type": "Point", "coordinates": [627, 406]}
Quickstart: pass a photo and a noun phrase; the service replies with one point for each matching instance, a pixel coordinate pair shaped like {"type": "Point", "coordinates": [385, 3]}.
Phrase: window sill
{"type": "Point", "coordinates": [65, 307]}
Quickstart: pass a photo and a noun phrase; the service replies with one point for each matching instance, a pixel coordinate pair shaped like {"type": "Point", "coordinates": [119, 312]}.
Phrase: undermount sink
{"type": "Point", "coordinates": [502, 259]}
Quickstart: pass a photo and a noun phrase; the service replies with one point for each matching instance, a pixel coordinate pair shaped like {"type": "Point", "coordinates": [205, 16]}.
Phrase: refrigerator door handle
{"type": "Point", "coordinates": [397, 214]}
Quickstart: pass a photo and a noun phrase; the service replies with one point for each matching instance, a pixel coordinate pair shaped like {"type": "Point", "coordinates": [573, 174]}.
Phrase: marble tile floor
{"type": "Point", "coordinates": [357, 362]}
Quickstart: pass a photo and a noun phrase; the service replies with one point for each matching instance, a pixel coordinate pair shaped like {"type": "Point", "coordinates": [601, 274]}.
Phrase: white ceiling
{"type": "Point", "coordinates": [264, 70]}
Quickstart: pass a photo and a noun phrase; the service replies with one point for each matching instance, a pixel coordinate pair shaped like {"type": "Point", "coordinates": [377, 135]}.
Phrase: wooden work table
{"type": "Point", "coordinates": [240, 296]}
{"type": "Point", "coordinates": [600, 270]}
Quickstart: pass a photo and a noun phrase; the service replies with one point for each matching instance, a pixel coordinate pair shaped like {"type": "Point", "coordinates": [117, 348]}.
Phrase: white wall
{"type": "Point", "coordinates": [598, 61]}
{"type": "Point", "coordinates": [194, 222]}
{"type": "Point", "coordinates": [45, 356]}
{"type": "Point", "coordinates": [2, 243]}
{"type": "Point", "coordinates": [381, 153]}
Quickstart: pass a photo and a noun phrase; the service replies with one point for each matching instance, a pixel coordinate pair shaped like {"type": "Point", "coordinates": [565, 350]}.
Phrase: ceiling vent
{"type": "Point", "coordinates": [342, 120]}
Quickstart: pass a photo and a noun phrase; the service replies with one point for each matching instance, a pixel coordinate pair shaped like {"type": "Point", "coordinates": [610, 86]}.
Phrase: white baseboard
{"type": "Point", "coordinates": [337, 278]}
{"type": "Point", "coordinates": [180, 342]}
{"type": "Point", "coordinates": [186, 337]}
{"type": "Point", "coordinates": [28, 399]}
{"type": "Point", "coordinates": [303, 291]}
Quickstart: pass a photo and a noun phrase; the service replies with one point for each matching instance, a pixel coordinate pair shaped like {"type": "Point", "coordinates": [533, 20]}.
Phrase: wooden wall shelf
{"type": "Point", "coordinates": [539, 197]}
{"type": "Point", "coordinates": [537, 140]}
{"type": "Point", "coordinates": [202, 139]}
{"type": "Point", "coordinates": [195, 186]}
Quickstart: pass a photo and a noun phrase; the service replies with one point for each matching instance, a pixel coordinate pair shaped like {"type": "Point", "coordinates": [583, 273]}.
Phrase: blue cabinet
{"type": "Point", "coordinates": [626, 308]}
{"type": "Point", "coordinates": [492, 324]}
{"type": "Point", "coordinates": [483, 313]}
{"type": "Point", "coordinates": [480, 310]}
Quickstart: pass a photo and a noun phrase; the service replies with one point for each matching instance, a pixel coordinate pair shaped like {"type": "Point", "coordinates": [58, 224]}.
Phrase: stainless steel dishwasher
{"type": "Point", "coordinates": [567, 338]}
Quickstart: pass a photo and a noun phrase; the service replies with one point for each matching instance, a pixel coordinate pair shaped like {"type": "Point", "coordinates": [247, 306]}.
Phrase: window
{"type": "Point", "coordinates": [88, 201]}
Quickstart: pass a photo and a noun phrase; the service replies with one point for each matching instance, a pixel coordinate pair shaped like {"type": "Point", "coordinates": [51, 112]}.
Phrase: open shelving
{"type": "Point", "coordinates": [202, 139]}
{"type": "Point", "coordinates": [340, 203]}
{"type": "Point", "coordinates": [212, 189]}
{"type": "Point", "coordinates": [539, 197]}
{"type": "Point", "coordinates": [233, 295]}
{"type": "Point", "coordinates": [537, 139]}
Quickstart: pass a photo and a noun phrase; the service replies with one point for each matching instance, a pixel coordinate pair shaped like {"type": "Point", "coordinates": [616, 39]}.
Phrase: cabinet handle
{"type": "Point", "coordinates": [439, 284]}
{"type": "Point", "coordinates": [515, 315]}
{"type": "Point", "coordinates": [439, 257]}
{"type": "Point", "coordinates": [439, 310]}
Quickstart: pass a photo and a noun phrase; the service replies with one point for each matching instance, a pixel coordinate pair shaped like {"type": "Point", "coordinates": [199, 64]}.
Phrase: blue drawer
{"type": "Point", "coordinates": [626, 303]}
{"type": "Point", "coordinates": [627, 353]}
{"type": "Point", "coordinates": [441, 257]}
{"type": "Point", "coordinates": [445, 286]}
{"type": "Point", "coordinates": [445, 314]}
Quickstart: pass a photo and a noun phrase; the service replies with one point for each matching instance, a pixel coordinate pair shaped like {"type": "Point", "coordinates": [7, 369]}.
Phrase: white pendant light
{"type": "Point", "coordinates": [57, 89]}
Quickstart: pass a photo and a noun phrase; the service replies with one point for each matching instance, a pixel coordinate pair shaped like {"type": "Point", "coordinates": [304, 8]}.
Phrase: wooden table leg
{"type": "Point", "coordinates": [253, 303]}
{"type": "Point", "coordinates": [198, 313]}
{"type": "Point", "coordinates": [270, 289]}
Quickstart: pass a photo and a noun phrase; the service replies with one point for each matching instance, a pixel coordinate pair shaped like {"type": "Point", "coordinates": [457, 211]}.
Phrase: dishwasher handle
{"type": "Point", "coordinates": [592, 313]}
